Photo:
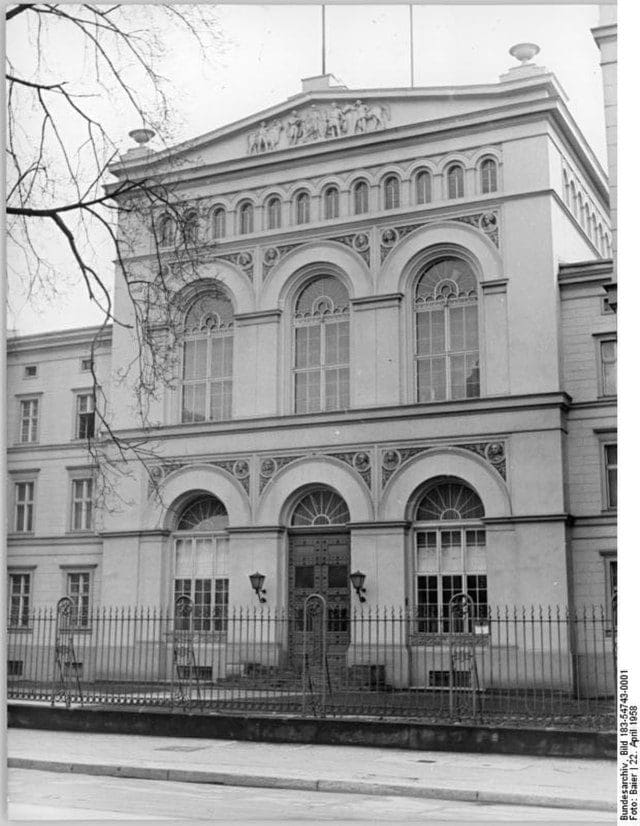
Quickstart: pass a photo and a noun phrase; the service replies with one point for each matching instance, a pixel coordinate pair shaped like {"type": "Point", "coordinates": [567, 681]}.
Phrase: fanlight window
{"type": "Point", "coordinates": [219, 223]}
{"type": "Point", "coordinates": [391, 192]}
{"type": "Point", "coordinates": [331, 203]}
{"type": "Point", "coordinates": [274, 213]}
{"type": "Point", "coordinates": [303, 208]}
{"type": "Point", "coordinates": [166, 231]}
{"type": "Point", "coordinates": [206, 513]}
{"type": "Point", "coordinates": [361, 198]}
{"type": "Point", "coordinates": [446, 318]}
{"type": "Point", "coordinates": [246, 219]}
{"type": "Point", "coordinates": [318, 508]}
{"type": "Point", "coordinates": [321, 362]}
{"type": "Point", "coordinates": [207, 359]}
{"type": "Point", "coordinates": [489, 175]}
{"type": "Point", "coordinates": [455, 181]}
{"type": "Point", "coordinates": [423, 187]}
{"type": "Point", "coordinates": [201, 549]}
{"type": "Point", "coordinates": [450, 560]}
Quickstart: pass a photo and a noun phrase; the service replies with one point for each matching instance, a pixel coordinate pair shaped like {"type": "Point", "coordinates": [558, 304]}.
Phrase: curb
{"type": "Point", "coordinates": [336, 786]}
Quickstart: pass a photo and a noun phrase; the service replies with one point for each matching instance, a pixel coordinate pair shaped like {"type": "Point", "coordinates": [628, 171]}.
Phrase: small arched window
{"type": "Point", "coordinates": [566, 192]}
{"type": "Point", "coordinates": [246, 218]}
{"type": "Point", "coordinates": [391, 190]}
{"type": "Point", "coordinates": [450, 559]}
{"type": "Point", "coordinates": [574, 202]}
{"type": "Point", "coordinates": [423, 187]}
{"type": "Point", "coordinates": [274, 213]}
{"type": "Point", "coordinates": [219, 222]}
{"type": "Point", "coordinates": [447, 351]}
{"type": "Point", "coordinates": [302, 203]}
{"type": "Point", "coordinates": [166, 231]}
{"type": "Point", "coordinates": [488, 176]}
{"type": "Point", "coordinates": [201, 547]}
{"type": "Point", "coordinates": [190, 228]}
{"type": "Point", "coordinates": [321, 361]}
{"type": "Point", "coordinates": [361, 198]}
{"type": "Point", "coordinates": [580, 215]}
{"type": "Point", "coordinates": [455, 181]}
{"type": "Point", "coordinates": [331, 202]}
{"type": "Point", "coordinates": [600, 239]}
{"type": "Point", "coordinates": [593, 227]}
{"type": "Point", "coordinates": [207, 358]}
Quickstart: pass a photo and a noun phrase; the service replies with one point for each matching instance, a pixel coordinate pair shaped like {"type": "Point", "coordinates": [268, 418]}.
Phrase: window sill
{"type": "Point", "coordinates": [19, 629]}
{"type": "Point", "coordinates": [20, 534]}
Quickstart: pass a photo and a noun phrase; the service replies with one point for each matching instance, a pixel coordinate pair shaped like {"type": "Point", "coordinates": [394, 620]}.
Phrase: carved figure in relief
{"type": "Point", "coordinates": [265, 137]}
{"type": "Point", "coordinates": [294, 128]}
{"type": "Point", "coordinates": [336, 122]}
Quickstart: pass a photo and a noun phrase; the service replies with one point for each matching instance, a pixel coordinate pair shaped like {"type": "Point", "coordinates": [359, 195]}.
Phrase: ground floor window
{"type": "Point", "coordinates": [79, 592]}
{"type": "Point", "coordinates": [19, 597]}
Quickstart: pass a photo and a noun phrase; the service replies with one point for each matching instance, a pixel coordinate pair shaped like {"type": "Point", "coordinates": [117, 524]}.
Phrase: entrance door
{"type": "Point", "coordinates": [320, 563]}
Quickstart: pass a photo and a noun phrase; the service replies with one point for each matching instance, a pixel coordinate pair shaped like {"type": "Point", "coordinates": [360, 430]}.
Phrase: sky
{"type": "Point", "coordinates": [266, 50]}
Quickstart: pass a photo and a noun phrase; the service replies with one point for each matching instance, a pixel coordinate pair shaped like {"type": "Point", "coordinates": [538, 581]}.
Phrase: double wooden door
{"type": "Point", "coordinates": [319, 563]}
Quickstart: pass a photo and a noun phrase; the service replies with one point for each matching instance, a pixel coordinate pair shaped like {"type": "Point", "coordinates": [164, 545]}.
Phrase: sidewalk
{"type": "Point", "coordinates": [532, 781]}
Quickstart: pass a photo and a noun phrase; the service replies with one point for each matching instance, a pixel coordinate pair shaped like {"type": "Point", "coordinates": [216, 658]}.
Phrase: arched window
{"type": "Point", "coordinates": [361, 198]}
{"type": "Point", "coordinates": [600, 239]}
{"type": "Point", "coordinates": [446, 324]}
{"type": "Point", "coordinates": [274, 213]}
{"type": "Point", "coordinates": [455, 181]}
{"type": "Point", "coordinates": [166, 231]}
{"type": "Point", "coordinates": [580, 215]}
{"type": "Point", "coordinates": [201, 565]}
{"type": "Point", "coordinates": [592, 228]}
{"type": "Point", "coordinates": [391, 189]}
{"type": "Point", "coordinates": [574, 202]}
{"type": "Point", "coordinates": [320, 507]}
{"type": "Point", "coordinates": [488, 176]}
{"type": "Point", "coordinates": [302, 204]}
{"type": "Point", "coordinates": [450, 559]}
{"type": "Point", "coordinates": [207, 359]}
{"type": "Point", "coordinates": [190, 228]}
{"type": "Point", "coordinates": [566, 192]}
{"type": "Point", "coordinates": [423, 187]}
{"type": "Point", "coordinates": [331, 202]}
{"type": "Point", "coordinates": [246, 218]}
{"type": "Point", "coordinates": [321, 363]}
{"type": "Point", "coordinates": [219, 223]}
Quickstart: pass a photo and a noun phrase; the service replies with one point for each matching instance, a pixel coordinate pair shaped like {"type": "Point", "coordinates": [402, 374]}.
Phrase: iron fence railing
{"type": "Point", "coordinates": [510, 665]}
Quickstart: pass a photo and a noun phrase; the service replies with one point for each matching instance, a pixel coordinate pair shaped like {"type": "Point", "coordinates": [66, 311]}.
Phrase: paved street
{"type": "Point", "coordinates": [38, 795]}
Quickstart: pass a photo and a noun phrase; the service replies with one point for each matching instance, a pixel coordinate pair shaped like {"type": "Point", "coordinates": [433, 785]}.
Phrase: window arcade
{"type": "Point", "coordinates": [361, 198]}
{"type": "Point", "coordinates": [246, 218]}
{"type": "Point", "coordinates": [488, 176]}
{"type": "Point", "coordinates": [331, 203]}
{"type": "Point", "coordinates": [423, 187]}
{"type": "Point", "coordinates": [391, 191]}
{"type": "Point", "coordinates": [219, 223]}
{"type": "Point", "coordinates": [302, 205]}
{"type": "Point", "coordinates": [455, 181]}
{"type": "Point", "coordinates": [274, 213]}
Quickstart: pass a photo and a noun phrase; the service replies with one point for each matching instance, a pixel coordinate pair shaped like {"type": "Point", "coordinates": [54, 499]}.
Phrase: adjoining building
{"type": "Point", "coordinates": [397, 359]}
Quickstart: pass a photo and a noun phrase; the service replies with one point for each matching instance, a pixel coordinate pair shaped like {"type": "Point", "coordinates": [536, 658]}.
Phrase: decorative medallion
{"type": "Point", "coordinates": [390, 460]}
{"type": "Point", "coordinates": [359, 242]}
{"type": "Point", "coordinates": [486, 222]}
{"type": "Point", "coordinates": [243, 259]}
{"type": "Point", "coordinates": [359, 460]}
{"type": "Point", "coordinates": [492, 452]}
{"type": "Point", "coordinates": [316, 123]}
{"type": "Point", "coordinates": [270, 465]}
{"type": "Point", "coordinates": [273, 256]}
{"type": "Point", "coordinates": [267, 468]}
{"type": "Point", "coordinates": [389, 237]}
{"type": "Point", "coordinates": [241, 469]}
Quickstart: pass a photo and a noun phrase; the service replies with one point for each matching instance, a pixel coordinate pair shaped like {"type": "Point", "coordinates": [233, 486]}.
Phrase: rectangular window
{"type": "Point", "coordinates": [82, 504]}
{"type": "Point", "coordinates": [609, 367]}
{"type": "Point", "coordinates": [30, 371]}
{"type": "Point", "coordinates": [450, 563]}
{"type": "Point", "coordinates": [200, 563]}
{"type": "Point", "coordinates": [322, 366]}
{"type": "Point", "coordinates": [79, 591]}
{"type": "Point", "coordinates": [611, 475]}
{"type": "Point", "coordinates": [86, 365]}
{"type": "Point", "coordinates": [85, 416]}
{"type": "Point", "coordinates": [19, 596]}
{"type": "Point", "coordinates": [24, 507]}
{"type": "Point", "coordinates": [447, 352]}
{"type": "Point", "coordinates": [28, 420]}
{"type": "Point", "coordinates": [208, 378]}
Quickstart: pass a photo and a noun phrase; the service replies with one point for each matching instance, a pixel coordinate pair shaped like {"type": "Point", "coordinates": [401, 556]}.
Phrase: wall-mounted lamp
{"type": "Point", "coordinates": [357, 580]}
{"type": "Point", "coordinates": [257, 581]}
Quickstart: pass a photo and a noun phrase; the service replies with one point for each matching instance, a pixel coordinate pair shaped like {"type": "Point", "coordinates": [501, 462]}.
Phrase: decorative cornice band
{"type": "Point", "coordinates": [497, 285]}
{"type": "Point", "coordinates": [256, 529]}
{"type": "Point", "coordinates": [385, 300]}
{"type": "Point", "coordinates": [138, 533]}
{"type": "Point", "coordinates": [259, 317]}
{"type": "Point", "coordinates": [534, 518]}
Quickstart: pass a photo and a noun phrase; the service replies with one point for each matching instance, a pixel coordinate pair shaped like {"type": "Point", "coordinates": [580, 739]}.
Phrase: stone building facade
{"type": "Point", "coordinates": [396, 359]}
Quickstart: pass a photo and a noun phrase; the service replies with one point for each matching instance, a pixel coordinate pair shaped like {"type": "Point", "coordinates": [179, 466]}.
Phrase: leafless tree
{"type": "Point", "coordinates": [65, 65]}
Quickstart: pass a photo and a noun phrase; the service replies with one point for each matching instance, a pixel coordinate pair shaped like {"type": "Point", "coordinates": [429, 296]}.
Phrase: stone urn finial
{"type": "Point", "coordinates": [524, 52]}
{"type": "Point", "coordinates": [141, 136]}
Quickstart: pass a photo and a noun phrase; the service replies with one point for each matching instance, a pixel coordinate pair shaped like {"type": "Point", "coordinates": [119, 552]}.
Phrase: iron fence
{"type": "Point", "coordinates": [508, 665]}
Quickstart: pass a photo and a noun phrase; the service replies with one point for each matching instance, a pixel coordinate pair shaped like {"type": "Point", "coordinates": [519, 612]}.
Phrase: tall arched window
{"type": "Point", "coordinates": [580, 215]}
{"type": "Point", "coordinates": [219, 223]}
{"type": "Point", "coordinates": [450, 559]}
{"type": "Point", "coordinates": [600, 239]}
{"type": "Point", "coordinates": [321, 364]}
{"type": "Point", "coordinates": [302, 203]}
{"type": "Point", "coordinates": [488, 176]}
{"type": "Point", "coordinates": [166, 231]}
{"type": "Point", "coordinates": [455, 181]}
{"type": "Point", "coordinates": [574, 202]}
{"type": "Point", "coordinates": [190, 228]}
{"type": "Point", "coordinates": [274, 213]}
{"type": "Point", "coordinates": [423, 187]}
{"type": "Point", "coordinates": [391, 190]}
{"type": "Point", "coordinates": [207, 359]}
{"type": "Point", "coordinates": [446, 323]}
{"type": "Point", "coordinates": [201, 564]}
{"type": "Point", "coordinates": [246, 218]}
{"type": "Point", "coordinates": [361, 198]}
{"type": "Point", "coordinates": [331, 202]}
{"type": "Point", "coordinates": [566, 192]}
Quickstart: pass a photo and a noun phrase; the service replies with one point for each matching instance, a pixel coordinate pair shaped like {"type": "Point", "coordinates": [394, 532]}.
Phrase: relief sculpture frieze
{"type": "Point", "coordinates": [317, 122]}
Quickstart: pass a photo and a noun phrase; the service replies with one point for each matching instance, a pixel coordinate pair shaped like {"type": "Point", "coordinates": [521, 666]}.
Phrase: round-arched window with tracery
{"type": "Point", "coordinates": [320, 508]}
{"type": "Point", "coordinates": [207, 513]}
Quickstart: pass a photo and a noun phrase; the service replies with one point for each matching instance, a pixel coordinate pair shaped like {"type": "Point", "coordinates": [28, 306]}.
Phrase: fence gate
{"type": "Point", "coordinates": [316, 679]}
{"type": "Point", "coordinates": [464, 686]}
{"type": "Point", "coordinates": [186, 681]}
{"type": "Point", "coordinates": [66, 660]}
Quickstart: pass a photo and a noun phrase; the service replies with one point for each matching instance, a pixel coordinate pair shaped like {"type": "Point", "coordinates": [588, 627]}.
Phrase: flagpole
{"type": "Point", "coordinates": [411, 40]}
{"type": "Point", "coordinates": [324, 55]}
